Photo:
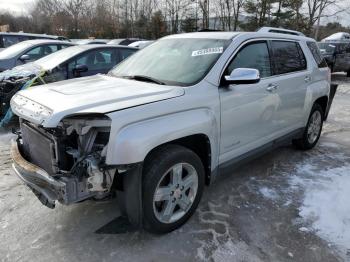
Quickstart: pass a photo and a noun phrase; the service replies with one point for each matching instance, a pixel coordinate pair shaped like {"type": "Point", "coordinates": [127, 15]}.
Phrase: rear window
{"type": "Point", "coordinates": [320, 61]}
{"type": "Point", "coordinates": [288, 57]}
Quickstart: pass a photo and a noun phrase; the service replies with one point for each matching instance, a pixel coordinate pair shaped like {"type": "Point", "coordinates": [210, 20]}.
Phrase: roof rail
{"type": "Point", "coordinates": [279, 31]}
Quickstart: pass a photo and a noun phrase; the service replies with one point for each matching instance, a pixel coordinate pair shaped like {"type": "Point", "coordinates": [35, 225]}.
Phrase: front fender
{"type": "Point", "coordinates": [133, 142]}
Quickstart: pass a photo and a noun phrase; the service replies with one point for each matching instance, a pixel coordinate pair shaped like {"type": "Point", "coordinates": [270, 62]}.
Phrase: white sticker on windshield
{"type": "Point", "coordinates": [208, 51]}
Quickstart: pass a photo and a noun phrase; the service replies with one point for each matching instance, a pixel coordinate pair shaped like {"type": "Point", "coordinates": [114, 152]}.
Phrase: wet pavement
{"type": "Point", "coordinates": [251, 215]}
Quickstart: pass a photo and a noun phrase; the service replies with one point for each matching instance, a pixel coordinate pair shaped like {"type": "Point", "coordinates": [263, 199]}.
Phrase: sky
{"type": "Point", "coordinates": [23, 6]}
{"type": "Point", "coordinates": [16, 6]}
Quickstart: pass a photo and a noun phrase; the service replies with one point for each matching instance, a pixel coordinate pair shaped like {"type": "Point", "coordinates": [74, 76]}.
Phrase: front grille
{"type": "Point", "coordinates": [39, 148]}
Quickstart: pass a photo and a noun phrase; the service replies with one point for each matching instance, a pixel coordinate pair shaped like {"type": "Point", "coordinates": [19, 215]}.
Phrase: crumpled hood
{"type": "Point", "coordinates": [95, 94]}
{"type": "Point", "coordinates": [21, 71]}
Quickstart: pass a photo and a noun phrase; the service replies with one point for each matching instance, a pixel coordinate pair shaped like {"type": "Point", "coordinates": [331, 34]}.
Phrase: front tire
{"type": "Point", "coordinates": [312, 130]}
{"type": "Point", "coordinates": [173, 182]}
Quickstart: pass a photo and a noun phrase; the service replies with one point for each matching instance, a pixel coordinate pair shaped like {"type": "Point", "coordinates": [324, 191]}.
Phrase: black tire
{"type": "Point", "coordinates": [156, 165]}
{"type": "Point", "coordinates": [348, 73]}
{"type": "Point", "coordinates": [304, 143]}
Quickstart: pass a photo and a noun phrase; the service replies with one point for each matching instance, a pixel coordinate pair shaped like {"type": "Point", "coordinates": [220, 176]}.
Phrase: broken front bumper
{"type": "Point", "coordinates": [44, 186]}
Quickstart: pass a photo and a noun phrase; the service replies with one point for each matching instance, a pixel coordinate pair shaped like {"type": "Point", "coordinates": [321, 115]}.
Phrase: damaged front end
{"type": "Point", "coordinates": [66, 163]}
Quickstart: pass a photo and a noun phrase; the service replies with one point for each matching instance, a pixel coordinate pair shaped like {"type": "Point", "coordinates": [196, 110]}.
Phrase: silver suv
{"type": "Point", "coordinates": [169, 120]}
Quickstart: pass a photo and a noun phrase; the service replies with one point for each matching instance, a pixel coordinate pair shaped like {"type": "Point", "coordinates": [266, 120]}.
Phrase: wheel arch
{"type": "Point", "coordinates": [195, 129]}
{"type": "Point", "coordinates": [323, 102]}
{"type": "Point", "coordinates": [199, 144]}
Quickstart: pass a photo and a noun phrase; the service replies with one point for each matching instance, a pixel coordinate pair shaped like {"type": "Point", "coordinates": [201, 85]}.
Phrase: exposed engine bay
{"type": "Point", "coordinates": [73, 153]}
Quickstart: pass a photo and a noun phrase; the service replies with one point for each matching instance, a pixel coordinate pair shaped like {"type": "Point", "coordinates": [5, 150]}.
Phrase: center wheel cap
{"type": "Point", "coordinates": [177, 193]}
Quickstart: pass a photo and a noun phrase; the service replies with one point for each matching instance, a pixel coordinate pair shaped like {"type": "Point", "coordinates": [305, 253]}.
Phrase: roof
{"type": "Point", "coordinates": [29, 34]}
{"type": "Point", "coordinates": [213, 35]}
{"type": "Point", "coordinates": [267, 29]}
{"type": "Point", "coordinates": [231, 35]}
{"type": "Point", "coordinates": [46, 41]}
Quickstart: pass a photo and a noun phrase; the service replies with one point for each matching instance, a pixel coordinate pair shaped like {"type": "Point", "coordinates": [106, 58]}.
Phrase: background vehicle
{"type": "Point", "coordinates": [123, 41]}
{"type": "Point", "coordinates": [340, 36]}
{"type": "Point", "coordinates": [72, 62]}
{"type": "Point", "coordinates": [9, 39]}
{"type": "Point", "coordinates": [169, 120]}
{"type": "Point", "coordinates": [337, 55]}
{"type": "Point", "coordinates": [29, 51]}
{"type": "Point", "coordinates": [140, 44]}
{"type": "Point", "coordinates": [91, 42]}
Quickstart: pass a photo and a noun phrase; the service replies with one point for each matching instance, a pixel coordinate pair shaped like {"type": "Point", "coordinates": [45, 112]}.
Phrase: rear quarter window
{"type": "Point", "coordinates": [288, 57]}
{"type": "Point", "coordinates": [320, 61]}
{"type": "Point", "coordinates": [125, 53]}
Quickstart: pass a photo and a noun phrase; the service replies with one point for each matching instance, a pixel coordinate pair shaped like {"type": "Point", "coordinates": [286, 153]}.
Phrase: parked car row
{"type": "Point", "coordinates": [56, 63]}
{"type": "Point", "coordinates": [9, 39]}
{"type": "Point", "coordinates": [166, 121]}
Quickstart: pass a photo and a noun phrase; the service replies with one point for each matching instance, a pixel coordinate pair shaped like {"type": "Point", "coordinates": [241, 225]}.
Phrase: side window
{"type": "Point", "coordinates": [41, 51]}
{"type": "Point", "coordinates": [287, 57]}
{"type": "Point", "coordinates": [34, 53]}
{"type": "Point", "coordinates": [125, 53]}
{"type": "Point", "coordinates": [49, 49]}
{"type": "Point", "coordinates": [9, 40]}
{"type": "Point", "coordinates": [320, 61]}
{"type": "Point", "coordinates": [65, 46]}
{"type": "Point", "coordinates": [256, 56]}
{"type": "Point", "coordinates": [342, 48]}
{"type": "Point", "coordinates": [102, 59]}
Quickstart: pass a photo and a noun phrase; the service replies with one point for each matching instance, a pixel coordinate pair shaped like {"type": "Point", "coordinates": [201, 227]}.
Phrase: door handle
{"type": "Point", "coordinates": [307, 79]}
{"type": "Point", "coordinates": [271, 87]}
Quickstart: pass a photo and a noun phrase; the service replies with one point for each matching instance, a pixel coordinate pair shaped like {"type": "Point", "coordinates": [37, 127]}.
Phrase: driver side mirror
{"type": "Point", "coordinates": [78, 69]}
{"type": "Point", "coordinates": [243, 76]}
{"type": "Point", "coordinates": [24, 58]}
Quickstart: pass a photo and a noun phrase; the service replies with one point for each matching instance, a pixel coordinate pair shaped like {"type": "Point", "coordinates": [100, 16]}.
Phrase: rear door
{"type": "Point", "coordinates": [292, 78]}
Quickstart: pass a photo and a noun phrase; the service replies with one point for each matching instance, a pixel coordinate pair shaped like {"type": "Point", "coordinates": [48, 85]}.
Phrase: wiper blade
{"type": "Point", "coordinates": [145, 79]}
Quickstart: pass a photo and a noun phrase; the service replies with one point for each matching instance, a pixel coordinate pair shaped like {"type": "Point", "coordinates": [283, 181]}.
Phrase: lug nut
{"type": "Point", "coordinates": [182, 188]}
{"type": "Point", "coordinates": [172, 193]}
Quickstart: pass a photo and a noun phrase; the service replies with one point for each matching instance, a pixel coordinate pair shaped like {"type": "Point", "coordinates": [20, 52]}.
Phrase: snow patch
{"type": "Point", "coordinates": [234, 252]}
{"type": "Point", "coordinates": [268, 193]}
{"type": "Point", "coordinates": [325, 204]}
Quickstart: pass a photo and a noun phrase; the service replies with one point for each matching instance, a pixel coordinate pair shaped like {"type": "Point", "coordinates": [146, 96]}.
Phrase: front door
{"type": "Point", "coordinates": [248, 111]}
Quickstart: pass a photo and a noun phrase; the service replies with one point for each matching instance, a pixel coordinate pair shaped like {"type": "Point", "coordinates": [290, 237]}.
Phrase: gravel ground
{"type": "Point", "coordinates": [252, 215]}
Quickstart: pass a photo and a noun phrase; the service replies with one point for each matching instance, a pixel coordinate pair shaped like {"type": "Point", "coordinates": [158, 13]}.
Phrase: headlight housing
{"type": "Point", "coordinates": [29, 109]}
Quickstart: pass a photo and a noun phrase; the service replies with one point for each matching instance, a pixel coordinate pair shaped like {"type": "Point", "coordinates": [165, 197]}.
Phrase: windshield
{"type": "Point", "coordinates": [326, 48]}
{"type": "Point", "coordinates": [14, 50]}
{"type": "Point", "coordinates": [57, 58]}
{"type": "Point", "coordinates": [175, 61]}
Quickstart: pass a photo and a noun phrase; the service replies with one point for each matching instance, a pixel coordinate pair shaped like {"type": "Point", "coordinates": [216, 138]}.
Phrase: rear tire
{"type": "Point", "coordinates": [312, 130]}
{"type": "Point", "coordinates": [173, 182]}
